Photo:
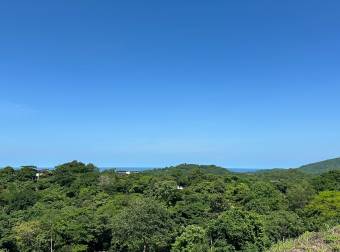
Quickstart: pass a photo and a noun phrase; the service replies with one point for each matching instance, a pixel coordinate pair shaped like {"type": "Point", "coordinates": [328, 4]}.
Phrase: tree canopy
{"type": "Point", "coordinates": [189, 208]}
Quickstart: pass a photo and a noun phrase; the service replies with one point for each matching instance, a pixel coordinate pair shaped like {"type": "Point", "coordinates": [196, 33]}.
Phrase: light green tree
{"type": "Point", "coordinates": [193, 239]}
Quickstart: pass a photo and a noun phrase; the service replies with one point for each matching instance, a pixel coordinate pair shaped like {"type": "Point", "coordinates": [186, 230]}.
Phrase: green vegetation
{"type": "Point", "coordinates": [187, 208]}
{"type": "Point", "coordinates": [321, 167]}
{"type": "Point", "coordinates": [326, 241]}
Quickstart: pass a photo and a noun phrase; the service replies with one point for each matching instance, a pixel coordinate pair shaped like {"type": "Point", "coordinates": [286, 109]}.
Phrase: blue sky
{"type": "Point", "coordinates": [157, 83]}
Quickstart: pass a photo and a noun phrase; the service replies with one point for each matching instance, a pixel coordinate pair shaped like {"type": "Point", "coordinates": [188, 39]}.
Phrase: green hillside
{"type": "Point", "coordinates": [322, 166]}
{"type": "Point", "coordinates": [189, 168]}
{"type": "Point", "coordinates": [327, 241]}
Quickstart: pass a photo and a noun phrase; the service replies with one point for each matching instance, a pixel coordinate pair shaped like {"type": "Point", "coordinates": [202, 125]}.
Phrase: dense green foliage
{"type": "Point", "coordinates": [321, 167]}
{"type": "Point", "coordinates": [189, 208]}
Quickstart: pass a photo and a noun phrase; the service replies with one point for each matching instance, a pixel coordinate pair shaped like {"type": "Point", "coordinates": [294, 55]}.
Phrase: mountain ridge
{"type": "Point", "coordinates": [321, 166]}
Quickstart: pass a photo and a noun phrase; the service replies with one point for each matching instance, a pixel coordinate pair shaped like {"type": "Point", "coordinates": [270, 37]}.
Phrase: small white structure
{"type": "Point", "coordinates": [180, 187]}
{"type": "Point", "coordinates": [42, 173]}
{"type": "Point", "coordinates": [126, 172]}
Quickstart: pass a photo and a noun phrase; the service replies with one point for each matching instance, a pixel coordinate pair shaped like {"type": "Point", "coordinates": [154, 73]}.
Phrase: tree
{"type": "Point", "coordinates": [193, 239]}
{"type": "Point", "coordinates": [238, 230]}
{"type": "Point", "coordinates": [75, 226]}
{"type": "Point", "coordinates": [30, 236]}
{"type": "Point", "coordinates": [193, 209]}
{"type": "Point", "coordinates": [17, 197]}
{"type": "Point", "coordinates": [264, 197]}
{"type": "Point", "coordinates": [67, 173]}
{"type": "Point", "coordinates": [165, 191]}
{"type": "Point", "coordinates": [7, 174]}
{"type": "Point", "coordinates": [327, 181]}
{"type": "Point", "coordinates": [299, 195]}
{"type": "Point", "coordinates": [144, 225]}
{"type": "Point", "coordinates": [27, 173]}
{"type": "Point", "coordinates": [283, 225]}
{"type": "Point", "coordinates": [324, 209]}
{"type": "Point", "coordinates": [7, 241]}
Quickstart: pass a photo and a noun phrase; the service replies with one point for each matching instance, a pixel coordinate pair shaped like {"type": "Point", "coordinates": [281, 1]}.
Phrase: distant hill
{"type": "Point", "coordinates": [321, 167]}
{"type": "Point", "coordinates": [282, 175]}
{"type": "Point", "coordinates": [187, 168]}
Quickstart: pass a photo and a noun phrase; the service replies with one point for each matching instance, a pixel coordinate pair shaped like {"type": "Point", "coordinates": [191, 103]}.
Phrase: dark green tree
{"type": "Point", "coordinates": [238, 230]}
{"type": "Point", "coordinates": [144, 225]}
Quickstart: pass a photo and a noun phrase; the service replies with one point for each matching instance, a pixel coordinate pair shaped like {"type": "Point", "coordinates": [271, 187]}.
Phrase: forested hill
{"type": "Point", "coordinates": [188, 168]}
{"type": "Point", "coordinates": [187, 208]}
{"type": "Point", "coordinates": [322, 166]}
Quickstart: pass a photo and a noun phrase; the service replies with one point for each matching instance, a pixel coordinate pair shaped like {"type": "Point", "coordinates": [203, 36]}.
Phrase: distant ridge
{"type": "Point", "coordinates": [321, 167]}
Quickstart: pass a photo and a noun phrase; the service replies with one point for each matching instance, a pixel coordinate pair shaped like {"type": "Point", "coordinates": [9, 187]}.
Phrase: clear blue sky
{"type": "Point", "coordinates": [155, 83]}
